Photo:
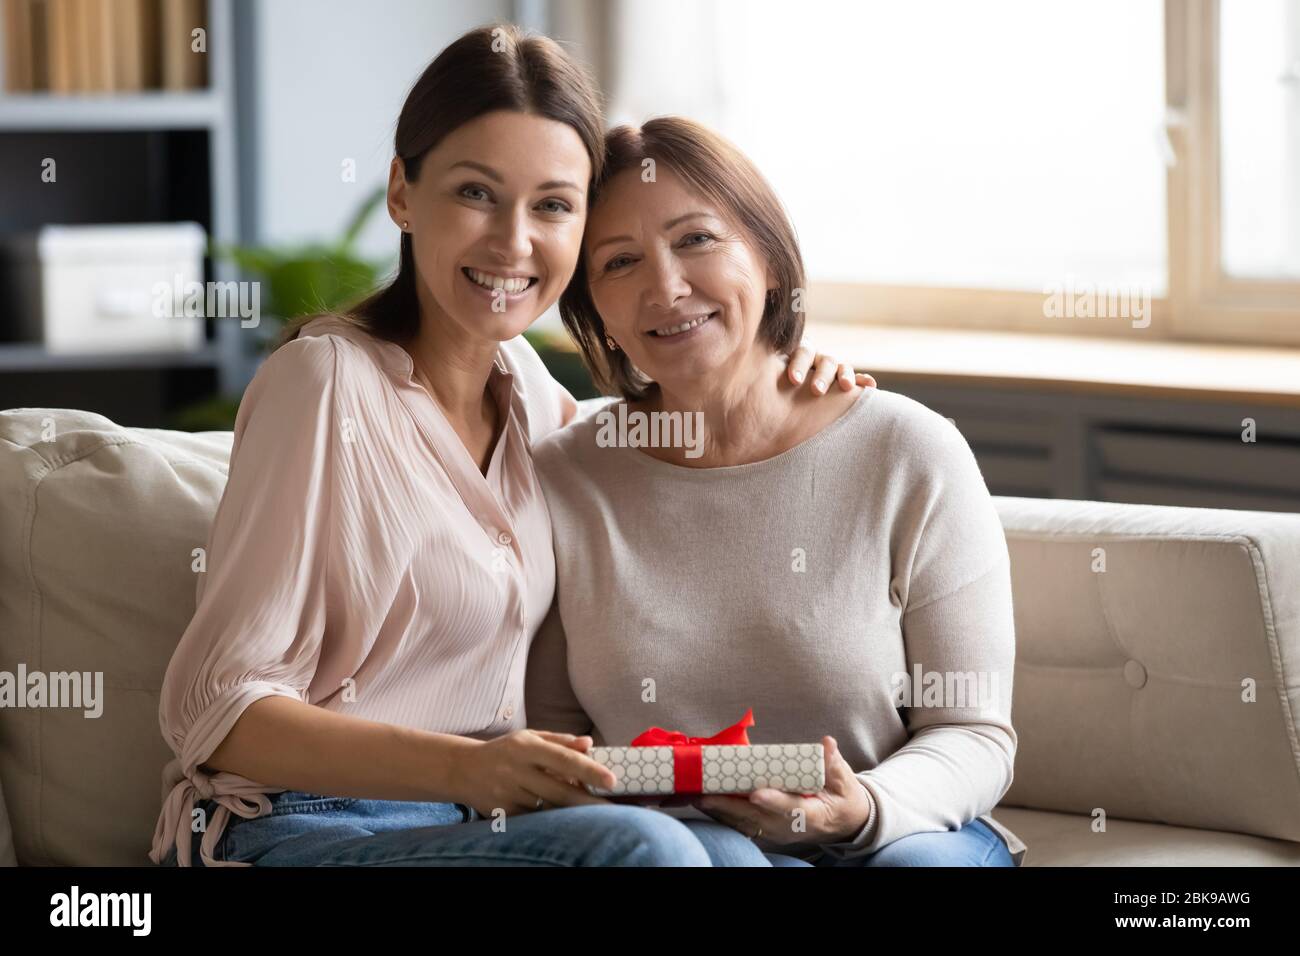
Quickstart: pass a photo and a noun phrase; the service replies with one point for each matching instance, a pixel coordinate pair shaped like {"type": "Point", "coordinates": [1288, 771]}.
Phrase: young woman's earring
{"type": "Point", "coordinates": [610, 343]}
{"type": "Point", "coordinates": [405, 225]}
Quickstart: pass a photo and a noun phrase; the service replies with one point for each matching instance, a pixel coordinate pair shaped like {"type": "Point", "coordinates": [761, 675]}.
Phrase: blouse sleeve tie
{"type": "Point", "coordinates": [233, 794]}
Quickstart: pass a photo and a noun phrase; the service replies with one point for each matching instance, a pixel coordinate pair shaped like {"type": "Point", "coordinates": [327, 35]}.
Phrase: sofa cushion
{"type": "Point", "coordinates": [1068, 839]}
{"type": "Point", "coordinates": [100, 523]}
{"type": "Point", "coordinates": [1157, 663]}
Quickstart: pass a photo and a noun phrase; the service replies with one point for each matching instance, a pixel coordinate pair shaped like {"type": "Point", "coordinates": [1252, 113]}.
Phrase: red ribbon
{"type": "Point", "coordinates": [688, 760]}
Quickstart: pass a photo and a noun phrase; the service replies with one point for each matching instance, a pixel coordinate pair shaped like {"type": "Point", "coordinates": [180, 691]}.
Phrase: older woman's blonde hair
{"type": "Point", "coordinates": [722, 174]}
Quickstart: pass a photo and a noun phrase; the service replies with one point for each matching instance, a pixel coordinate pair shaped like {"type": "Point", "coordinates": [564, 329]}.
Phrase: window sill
{"type": "Point", "coordinates": [1067, 363]}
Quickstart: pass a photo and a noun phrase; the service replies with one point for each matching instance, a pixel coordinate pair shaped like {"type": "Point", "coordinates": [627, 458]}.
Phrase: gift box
{"type": "Point", "coordinates": [664, 762]}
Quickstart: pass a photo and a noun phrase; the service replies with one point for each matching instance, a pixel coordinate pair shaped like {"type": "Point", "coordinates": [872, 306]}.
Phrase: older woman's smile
{"type": "Point", "coordinates": [681, 329]}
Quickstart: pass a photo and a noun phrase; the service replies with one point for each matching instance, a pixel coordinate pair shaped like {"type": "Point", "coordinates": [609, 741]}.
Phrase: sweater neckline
{"type": "Point", "coordinates": [807, 446]}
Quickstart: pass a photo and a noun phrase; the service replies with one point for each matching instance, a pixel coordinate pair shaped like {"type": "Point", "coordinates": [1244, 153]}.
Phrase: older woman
{"type": "Point", "coordinates": [811, 559]}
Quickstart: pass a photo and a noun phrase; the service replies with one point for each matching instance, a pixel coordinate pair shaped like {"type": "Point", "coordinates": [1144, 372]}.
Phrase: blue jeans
{"type": "Point", "coordinates": [307, 829]}
{"type": "Point", "coordinates": [973, 845]}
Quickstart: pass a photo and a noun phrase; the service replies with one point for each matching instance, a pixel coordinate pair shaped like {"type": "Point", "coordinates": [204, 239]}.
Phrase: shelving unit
{"type": "Point", "coordinates": [155, 156]}
{"type": "Point", "coordinates": [149, 110]}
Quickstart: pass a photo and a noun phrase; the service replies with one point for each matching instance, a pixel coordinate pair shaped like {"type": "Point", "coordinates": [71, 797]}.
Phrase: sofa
{"type": "Point", "coordinates": [1156, 696]}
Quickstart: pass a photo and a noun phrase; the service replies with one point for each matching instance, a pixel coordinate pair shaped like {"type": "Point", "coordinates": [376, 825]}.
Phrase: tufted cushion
{"type": "Point", "coordinates": [1128, 691]}
{"type": "Point", "coordinates": [95, 575]}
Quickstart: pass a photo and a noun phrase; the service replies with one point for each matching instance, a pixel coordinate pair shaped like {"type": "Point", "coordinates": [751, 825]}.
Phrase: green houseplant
{"type": "Point", "coordinates": [295, 280]}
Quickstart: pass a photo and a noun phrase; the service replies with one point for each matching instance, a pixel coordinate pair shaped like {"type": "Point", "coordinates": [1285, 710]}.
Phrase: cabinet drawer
{"type": "Point", "coordinates": [1219, 462]}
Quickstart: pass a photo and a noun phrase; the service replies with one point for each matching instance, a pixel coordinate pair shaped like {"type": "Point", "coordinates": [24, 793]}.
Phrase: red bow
{"type": "Point", "coordinates": [688, 762]}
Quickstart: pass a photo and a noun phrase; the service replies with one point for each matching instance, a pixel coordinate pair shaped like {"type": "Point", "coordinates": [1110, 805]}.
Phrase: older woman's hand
{"type": "Point", "coordinates": [834, 815]}
{"type": "Point", "coordinates": [826, 368]}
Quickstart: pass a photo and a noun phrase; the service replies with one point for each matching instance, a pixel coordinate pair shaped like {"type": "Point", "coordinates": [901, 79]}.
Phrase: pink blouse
{"type": "Point", "coordinates": [360, 561]}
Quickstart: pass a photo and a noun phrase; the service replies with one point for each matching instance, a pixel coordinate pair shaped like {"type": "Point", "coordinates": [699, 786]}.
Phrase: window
{"type": "Point", "coordinates": [1259, 106]}
{"type": "Point", "coordinates": [949, 163]}
{"type": "Point", "coordinates": [996, 152]}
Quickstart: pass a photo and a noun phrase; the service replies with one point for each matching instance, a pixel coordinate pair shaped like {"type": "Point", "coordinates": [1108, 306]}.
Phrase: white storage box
{"type": "Point", "coordinates": [99, 288]}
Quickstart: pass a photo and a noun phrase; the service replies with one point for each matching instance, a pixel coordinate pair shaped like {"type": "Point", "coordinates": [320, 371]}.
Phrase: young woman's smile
{"type": "Point", "coordinates": [512, 288]}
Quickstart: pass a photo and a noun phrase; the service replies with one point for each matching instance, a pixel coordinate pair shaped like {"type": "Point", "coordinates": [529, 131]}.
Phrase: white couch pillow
{"type": "Point", "coordinates": [100, 525]}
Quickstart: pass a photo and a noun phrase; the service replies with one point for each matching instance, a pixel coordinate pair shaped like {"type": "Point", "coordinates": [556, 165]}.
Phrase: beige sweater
{"type": "Point", "coordinates": [801, 586]}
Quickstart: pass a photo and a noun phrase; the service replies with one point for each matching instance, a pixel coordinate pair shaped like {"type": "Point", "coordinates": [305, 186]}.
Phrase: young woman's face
{"type": "Point", "coordinates": [496, 220]}
{"type": "Point", "coordinates": [678, 287]}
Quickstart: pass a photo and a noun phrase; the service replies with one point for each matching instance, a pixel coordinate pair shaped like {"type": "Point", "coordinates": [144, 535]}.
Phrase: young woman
{"type": "Point", "coordinates": [813, 553]}
{"type": "Point", "coordinates": [350, 688]}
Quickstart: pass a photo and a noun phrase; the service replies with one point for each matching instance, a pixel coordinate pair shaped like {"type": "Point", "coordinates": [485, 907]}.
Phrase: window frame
{"type": "Point", "coordinates": [1207, 303]}
{"type": "Point", "coordinates": [1202, 304]}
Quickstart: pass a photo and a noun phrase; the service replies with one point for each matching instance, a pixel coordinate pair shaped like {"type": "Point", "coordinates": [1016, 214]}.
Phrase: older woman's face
{"type": "Point", "coordinates": [678, 286]}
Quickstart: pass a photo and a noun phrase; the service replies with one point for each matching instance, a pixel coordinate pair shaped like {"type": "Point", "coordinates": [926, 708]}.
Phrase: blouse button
{"type": "Point", "coordinates": [503, 538]}
{"type": "Point", "coordinates": [508, 713]}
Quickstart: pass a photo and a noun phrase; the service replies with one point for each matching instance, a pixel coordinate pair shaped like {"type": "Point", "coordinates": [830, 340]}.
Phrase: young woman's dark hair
{"type": "Point", "coordinates": [725, 176]}
{"type": "Point", "coordinates": [497, 67]}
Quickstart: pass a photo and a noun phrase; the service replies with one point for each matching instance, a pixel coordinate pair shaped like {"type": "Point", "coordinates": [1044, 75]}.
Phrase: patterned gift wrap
{"type": "Point", "coordinates": [796, 768]}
